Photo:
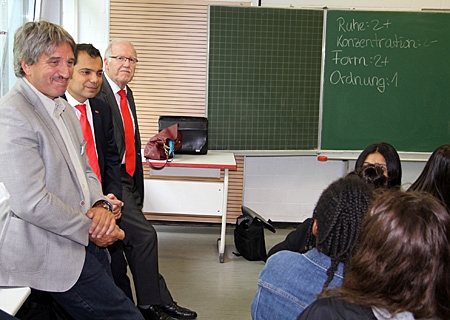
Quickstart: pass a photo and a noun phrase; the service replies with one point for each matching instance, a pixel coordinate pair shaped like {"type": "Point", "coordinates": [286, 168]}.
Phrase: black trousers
{"type": "Point", "coordinates": [140, 246]}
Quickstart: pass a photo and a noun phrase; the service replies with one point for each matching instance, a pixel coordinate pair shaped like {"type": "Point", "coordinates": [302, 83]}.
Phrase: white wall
{"type": "Point", "coordinates": [87, 21]}
{"type": "Point", "coordinates": [287, 188]}
{"type": "Point", "coordinates": [279, 188]}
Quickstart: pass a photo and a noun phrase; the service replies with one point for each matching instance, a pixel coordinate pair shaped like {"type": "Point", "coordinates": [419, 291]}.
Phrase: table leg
{"type": "Point", "coordinates": [224, 217]}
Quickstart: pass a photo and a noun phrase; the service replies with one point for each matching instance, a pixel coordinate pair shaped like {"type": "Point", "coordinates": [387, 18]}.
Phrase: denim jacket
{"type": "Point", "coordinates": [291, 281]}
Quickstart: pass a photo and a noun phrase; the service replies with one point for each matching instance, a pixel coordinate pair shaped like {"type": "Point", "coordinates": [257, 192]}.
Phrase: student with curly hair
{"type": "Point", "coordinates": [401, 268]}
{"type": "Point", "coordinates": [290, 281]}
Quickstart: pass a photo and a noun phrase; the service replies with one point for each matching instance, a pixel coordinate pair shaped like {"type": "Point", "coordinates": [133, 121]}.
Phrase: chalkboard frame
{"type": "Point", "coordinates": [354, 139]}
{"type": "Point", "coordinates": [356, 116]}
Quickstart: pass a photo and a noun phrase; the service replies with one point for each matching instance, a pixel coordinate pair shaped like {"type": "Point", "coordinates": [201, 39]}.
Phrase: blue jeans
{"type": "Point", "coordinates": [291, 281]}
{"type": "Point", "coordinates": [94, 295]}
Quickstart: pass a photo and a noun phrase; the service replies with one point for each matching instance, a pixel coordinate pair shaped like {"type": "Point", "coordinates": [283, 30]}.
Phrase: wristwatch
{"type": "Point", "coordinates": [104, 204]}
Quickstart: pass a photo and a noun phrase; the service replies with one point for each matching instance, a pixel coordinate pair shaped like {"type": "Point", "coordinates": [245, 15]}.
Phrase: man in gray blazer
{"type": "Point", "coordinates": [54, 231]}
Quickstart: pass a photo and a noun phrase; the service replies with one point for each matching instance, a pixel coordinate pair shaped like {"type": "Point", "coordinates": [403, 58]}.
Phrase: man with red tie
{"type": "Point", "coordinates": [94, 113]}
{"type": "Point", "coordinates": [122, 172]}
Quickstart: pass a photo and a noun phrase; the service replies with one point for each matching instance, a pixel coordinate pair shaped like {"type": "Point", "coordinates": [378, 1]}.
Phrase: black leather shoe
{"type": "Point", "coordinates": [153, 313]}
{"type": "Point", "coordinates": [174, 310]}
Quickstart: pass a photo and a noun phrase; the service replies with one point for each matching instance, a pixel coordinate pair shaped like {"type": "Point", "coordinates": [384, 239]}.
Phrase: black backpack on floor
{"type": "Point", "coordinates": [249, 235]}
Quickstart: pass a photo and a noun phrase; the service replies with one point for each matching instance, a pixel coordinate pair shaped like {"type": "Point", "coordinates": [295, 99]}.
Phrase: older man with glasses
{"type": "Point", "coordinates": [140, 244]}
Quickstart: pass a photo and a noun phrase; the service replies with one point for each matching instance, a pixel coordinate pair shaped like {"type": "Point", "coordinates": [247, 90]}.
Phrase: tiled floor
{"type": "Point", "coordinates": [188, 259]}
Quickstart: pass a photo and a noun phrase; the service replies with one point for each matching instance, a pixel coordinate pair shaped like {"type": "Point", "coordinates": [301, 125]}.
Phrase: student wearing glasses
{"type": "Point", "coordinates": [386, 157]}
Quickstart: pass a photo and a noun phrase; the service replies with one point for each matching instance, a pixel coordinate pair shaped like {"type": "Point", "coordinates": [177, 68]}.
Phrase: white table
{"type": "Point", "coordinates": [12, 298]}
{"type": "Point", "coordinates": [192, 197]}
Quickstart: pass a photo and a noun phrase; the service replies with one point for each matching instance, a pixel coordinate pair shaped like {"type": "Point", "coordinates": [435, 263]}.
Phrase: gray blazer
{"type": "Point", "coordinates": [44, 234]}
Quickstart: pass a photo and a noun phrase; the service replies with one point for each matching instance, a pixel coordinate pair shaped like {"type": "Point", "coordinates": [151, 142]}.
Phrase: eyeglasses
{"type": "Point", "coordinates": [381, 165]}
{"type": "Point", "coordinates": [124, 59]}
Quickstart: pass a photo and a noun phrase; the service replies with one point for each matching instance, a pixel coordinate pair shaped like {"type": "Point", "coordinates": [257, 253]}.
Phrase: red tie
{"type": "Point", "coordinates": [90, 145]}
{"type": "Point", "coordinates": [130, 150]}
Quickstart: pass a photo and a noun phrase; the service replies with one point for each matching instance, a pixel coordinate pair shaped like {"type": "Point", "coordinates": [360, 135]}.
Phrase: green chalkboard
{"type": "Point", "coordinates": [387, 78]}
{"type": "Point", "coordinates": [264, 78]}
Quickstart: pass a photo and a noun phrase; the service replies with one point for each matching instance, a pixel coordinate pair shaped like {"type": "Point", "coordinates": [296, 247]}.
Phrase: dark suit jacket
{"type": "Point", "coordinates": [108, 156]}
{"type": "Point", "coordinates": [107, 95]}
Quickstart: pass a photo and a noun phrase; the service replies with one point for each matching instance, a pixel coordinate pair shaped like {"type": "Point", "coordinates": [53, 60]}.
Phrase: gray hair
{"type": "Point", "coordinates": [108, 51]}
{"type": "Point", "coordinates": [35, 38]}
